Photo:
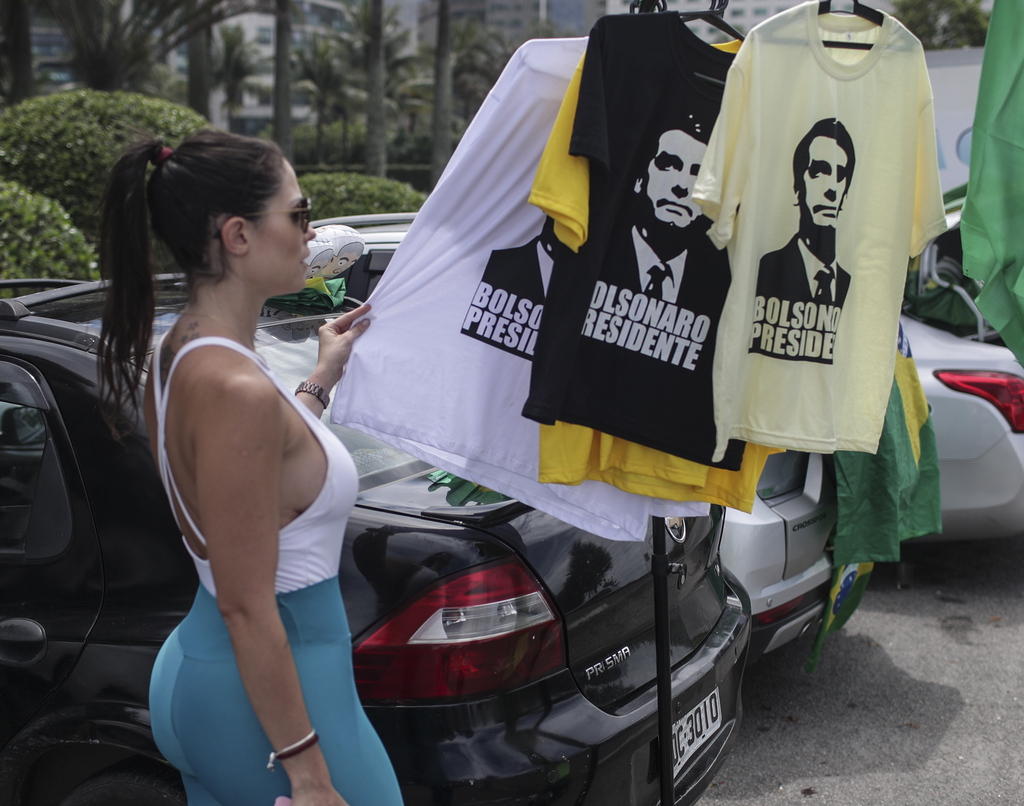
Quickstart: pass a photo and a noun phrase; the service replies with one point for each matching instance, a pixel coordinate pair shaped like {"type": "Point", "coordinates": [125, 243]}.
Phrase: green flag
{"type": "Point", "coordinates": [993, 214]}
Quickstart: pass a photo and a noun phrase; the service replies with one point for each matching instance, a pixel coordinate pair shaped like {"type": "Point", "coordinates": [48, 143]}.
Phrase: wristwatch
{"type": "Point", "coordinates": [316, 390]}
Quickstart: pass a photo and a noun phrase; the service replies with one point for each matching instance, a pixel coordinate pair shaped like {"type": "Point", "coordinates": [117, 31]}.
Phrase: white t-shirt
{"type": "Point", "coordinates": [444, 369]}
{"type": "Point", "coordinates": [821, 176]}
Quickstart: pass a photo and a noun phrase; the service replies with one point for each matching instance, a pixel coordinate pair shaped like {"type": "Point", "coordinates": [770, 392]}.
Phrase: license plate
{"type": "Point", "coordinates": [694, 728]}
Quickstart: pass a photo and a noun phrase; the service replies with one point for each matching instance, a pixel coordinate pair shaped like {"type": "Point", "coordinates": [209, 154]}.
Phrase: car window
{"type": "Point", "coordinates": [22, 437]}
{"type": "Point", "coordinates": [290, 349]}
{"type": "Point", "coordinates": [35, 518]}
{"type": "Point", "coordinates": [783, 473]}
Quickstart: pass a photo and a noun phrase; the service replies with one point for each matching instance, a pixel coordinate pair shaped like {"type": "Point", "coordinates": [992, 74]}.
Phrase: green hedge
{"type": "Point", "coordinates": [39, 239]}
{"type": "Point", "coordinates": [334, 194]}
{"type": "Point", "coordinates": [64, 145]}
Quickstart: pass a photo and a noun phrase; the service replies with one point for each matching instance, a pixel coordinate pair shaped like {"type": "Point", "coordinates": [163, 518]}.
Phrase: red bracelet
{"type": "Point", "coordinates": [293, 749]}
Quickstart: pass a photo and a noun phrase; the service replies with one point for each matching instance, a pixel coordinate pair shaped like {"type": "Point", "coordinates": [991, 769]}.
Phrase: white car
{"type": "Point", "coordinates": [976, 390]}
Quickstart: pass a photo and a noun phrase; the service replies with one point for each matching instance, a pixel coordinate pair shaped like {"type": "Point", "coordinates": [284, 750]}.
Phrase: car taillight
{"type": "Point", "coordinates": [1002, 389]}
{"type": "Point", "coordinates": [488, 630]}
{"type": "Point", "coordinates": [781, 611]}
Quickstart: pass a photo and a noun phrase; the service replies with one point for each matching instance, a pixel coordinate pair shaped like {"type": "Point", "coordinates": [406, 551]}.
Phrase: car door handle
{"type": "Point", "coordinates": [22, 641]}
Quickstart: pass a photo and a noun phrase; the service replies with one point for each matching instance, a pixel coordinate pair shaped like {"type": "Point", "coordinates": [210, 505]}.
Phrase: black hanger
{"type": "Point", "coordinates": [859, 10]}
{"type": "Point", "coordinates": [713, 16]}
{"type": "Point", "coordinates": [646, 6]}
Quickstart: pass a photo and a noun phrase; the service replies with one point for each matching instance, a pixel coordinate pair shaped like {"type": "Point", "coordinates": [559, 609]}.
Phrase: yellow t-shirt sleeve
{"type": "Point", "coordinates": [561, 186]}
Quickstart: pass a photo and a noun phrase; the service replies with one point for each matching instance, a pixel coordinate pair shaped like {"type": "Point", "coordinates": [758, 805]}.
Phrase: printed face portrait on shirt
{"type": "Point", "coordinates": [802, 287]}
{"type": "Point", "coordinates": [507, 305]}
{"type": "Point", "coordinates": [671, 174]}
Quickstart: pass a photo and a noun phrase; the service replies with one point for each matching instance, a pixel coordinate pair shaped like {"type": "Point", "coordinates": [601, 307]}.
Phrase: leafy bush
{"type": "Point", "coordinates": [39, 239]}
{"type": "Point", "coordinates": [64, 145]}
{"type": "Point", "coordinates": [342, 145]}
{"type": "Point", "coordinates": [334, 194]}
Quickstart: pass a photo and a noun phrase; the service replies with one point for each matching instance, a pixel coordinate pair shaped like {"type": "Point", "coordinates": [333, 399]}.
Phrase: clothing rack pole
{"type": "Point", "coordinates": [662, 660]}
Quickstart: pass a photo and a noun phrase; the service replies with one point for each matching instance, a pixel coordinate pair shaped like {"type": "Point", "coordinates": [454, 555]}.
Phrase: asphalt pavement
{"type": "Point", "coordinates": [918, 700]}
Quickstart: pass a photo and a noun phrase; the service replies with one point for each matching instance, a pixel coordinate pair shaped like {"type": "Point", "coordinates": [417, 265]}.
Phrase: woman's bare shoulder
{"type": "Point", "coordinates": [215, 375]}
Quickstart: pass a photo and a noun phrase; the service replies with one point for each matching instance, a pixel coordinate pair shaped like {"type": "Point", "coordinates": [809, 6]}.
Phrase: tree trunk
{"type": "Point", "coordinates": [199, 71]}
{"type": "Point", "coordinates": [17, 21]}
{"type": "Point", "coordinates": [441, 128]}
{"type": "Point", "coordinates": [283, 77]}
{"type": "Point", "coordinates": [376, 133]}
{"type": "Point", "coordinates": [318, 148]}
{"type": "Point", "coordinates": [345, 157]}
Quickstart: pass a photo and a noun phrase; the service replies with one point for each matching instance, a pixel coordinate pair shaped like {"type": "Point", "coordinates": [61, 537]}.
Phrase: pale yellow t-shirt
{"type": "Point", "coordinates": [804, 355]}
{"type": "Point", "coordinates": [571, 454]}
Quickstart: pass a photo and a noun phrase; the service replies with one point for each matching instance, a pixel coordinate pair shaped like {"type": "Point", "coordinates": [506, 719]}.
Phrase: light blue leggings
{"type": "Point", "coordinates": [204, 725]}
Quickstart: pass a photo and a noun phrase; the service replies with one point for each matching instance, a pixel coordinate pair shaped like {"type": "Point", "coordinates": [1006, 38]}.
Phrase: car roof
{"type": "Point", "coordinates": [70, 310]}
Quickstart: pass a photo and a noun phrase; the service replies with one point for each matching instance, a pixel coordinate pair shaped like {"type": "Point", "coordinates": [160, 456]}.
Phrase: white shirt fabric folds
{"type": "Point", "coordinates": [417, 379]}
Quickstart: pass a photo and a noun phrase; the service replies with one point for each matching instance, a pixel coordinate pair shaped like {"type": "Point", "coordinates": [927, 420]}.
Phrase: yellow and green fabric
{"type": "Point", "coordinates": [882, 498]}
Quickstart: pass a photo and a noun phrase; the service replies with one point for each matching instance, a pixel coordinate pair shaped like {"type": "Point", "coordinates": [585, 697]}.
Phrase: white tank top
{"type": "Point", "coordinates": [309, 547]}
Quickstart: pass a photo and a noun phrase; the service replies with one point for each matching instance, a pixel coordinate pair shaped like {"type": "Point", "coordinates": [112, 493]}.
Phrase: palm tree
{"type": "Point", "coordinates": [376, 124]}
{"type": "Point", "coordinates": [235, 62]}
{"type": "Point", "coordinates": [199, 70]}
{"type": "Point", "coordinates": [401, 82]}
{"type": "Point", "coordinates": [115, 43]}
{"type": "Point", "coordinates": [283, 76]}
{"type": "Point", "coordinates": [479, 55]}
{"type": "Point", "coordinates": [441, 128]}
{"type": "Point", "coordinates": [16, 56]}
{"type": "Point", "coordinates": [321, 70]}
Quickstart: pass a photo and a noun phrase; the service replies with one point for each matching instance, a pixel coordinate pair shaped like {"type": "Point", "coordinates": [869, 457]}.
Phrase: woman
{"type": "Point", "coordinates": [260, 669]}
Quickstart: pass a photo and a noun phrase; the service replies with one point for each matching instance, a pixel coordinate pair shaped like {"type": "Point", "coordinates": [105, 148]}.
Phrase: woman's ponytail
{"type": "Point", "coordinates": [126, 262]}
{"type": "Point", "coordinates": [210, 173]}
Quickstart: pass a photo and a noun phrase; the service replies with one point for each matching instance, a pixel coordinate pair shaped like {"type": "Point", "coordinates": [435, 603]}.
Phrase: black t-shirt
{"type": "Point", "coordinates": [627, 341]}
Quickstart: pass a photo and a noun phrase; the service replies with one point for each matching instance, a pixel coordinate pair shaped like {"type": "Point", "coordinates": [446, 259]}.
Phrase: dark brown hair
{"type": "Point", "coordinates": [211, 173]}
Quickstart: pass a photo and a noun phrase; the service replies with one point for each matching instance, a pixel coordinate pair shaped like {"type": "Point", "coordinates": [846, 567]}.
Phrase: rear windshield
{"type": "Point", "coordinates": [289, 347]}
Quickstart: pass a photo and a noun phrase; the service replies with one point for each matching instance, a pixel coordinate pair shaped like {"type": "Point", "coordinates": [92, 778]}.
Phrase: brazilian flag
{"type": "Point", "coordinates": [319, 296]}
{"type": "Point", "coordinates": [848, 586]}
{"type": "Point", "coordinates": [993, 214]}
{"type": "Point", "coordinates": [883, 498]}
{"type": "Point", "coordinates": [892, 495]}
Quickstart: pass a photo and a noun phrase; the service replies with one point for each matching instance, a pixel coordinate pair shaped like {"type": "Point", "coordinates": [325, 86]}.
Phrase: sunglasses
{"type": "Point", "coordinates": [300, 215]}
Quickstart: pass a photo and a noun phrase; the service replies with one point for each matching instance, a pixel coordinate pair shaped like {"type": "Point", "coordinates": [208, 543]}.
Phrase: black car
{"type": "Point", "coordinates": [503, 656]}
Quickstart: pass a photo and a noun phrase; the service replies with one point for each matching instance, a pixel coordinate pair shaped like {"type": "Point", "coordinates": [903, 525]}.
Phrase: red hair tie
{"type": "Point", "coordinates": [160, 156]}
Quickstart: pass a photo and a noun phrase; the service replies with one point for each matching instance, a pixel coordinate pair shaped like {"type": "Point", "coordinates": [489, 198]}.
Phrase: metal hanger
{"type": "Point", "coordinates": [859, 10]}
